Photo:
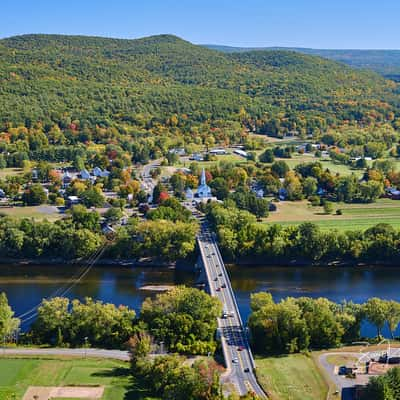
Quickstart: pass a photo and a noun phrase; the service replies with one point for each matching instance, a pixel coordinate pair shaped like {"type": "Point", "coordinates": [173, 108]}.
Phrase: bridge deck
{"type": "Point", "coordinates": [237, 353]}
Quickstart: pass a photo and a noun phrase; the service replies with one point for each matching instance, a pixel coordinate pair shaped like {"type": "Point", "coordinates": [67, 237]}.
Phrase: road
{"type": "Point", "coordinates": [237, 352]}
{"type": "Point", "coordinates": [147, 181]}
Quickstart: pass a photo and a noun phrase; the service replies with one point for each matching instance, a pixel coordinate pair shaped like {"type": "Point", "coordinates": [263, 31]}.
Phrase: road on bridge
{"type": "Point", "coordinates": [237, 352]}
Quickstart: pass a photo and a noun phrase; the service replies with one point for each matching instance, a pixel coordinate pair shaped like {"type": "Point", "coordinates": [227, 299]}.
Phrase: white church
{"type": "Point", "coordinates": [203, 191]}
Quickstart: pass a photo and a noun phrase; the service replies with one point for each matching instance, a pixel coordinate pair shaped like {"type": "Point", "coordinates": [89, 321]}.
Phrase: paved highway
{"type": "Point", "coordinates": [237, 353]}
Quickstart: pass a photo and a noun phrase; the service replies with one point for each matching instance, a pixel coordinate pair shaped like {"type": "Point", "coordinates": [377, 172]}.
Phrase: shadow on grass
{"type": "Point", "coordinates": [135, 390]}
{"type": "Point", "coordinates": [116, 372]}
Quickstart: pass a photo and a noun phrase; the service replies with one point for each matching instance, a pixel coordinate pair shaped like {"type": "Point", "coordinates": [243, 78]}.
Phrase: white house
{"type": "Point", "coordinates": [218, 152]}
{"type": "Point", "coordinates": [189, 194]}
{"type": "Point", "coordinates": [241, 153]}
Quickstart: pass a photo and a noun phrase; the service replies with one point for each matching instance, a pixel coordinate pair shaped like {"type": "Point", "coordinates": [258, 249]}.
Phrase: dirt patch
{"type": "Point", "coordinates": [78, 392]}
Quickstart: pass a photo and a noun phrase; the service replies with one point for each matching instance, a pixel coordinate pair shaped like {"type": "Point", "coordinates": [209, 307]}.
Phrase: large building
{"type": "Point", "coordinates": [203, 191]}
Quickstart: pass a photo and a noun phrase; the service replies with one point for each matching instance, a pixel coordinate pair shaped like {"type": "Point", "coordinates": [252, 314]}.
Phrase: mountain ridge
{"type": "Point", "coordinates": [113, 81]}
{"type": "Point", "coordinates": [385, 62]}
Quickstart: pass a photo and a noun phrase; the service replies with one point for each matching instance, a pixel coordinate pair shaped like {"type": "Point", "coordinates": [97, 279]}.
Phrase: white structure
{"type": "Point", "coordinates": [241, 153]}
{"type": "Point", "coordinates": [203, 191]}
{"type": "Point", "coordinates": [85, 174]}
{"type": "Point", "coordinates": [189, 194]}
{"type": "Point", "coordinates": [98, 172]}
{"type": "Point", "coordinates": [197, 157]}
{"type": "Point", "coordinates": [218, 151]}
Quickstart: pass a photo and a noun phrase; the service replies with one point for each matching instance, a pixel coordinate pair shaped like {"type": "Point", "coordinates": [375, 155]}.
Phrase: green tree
{"type": "Point", "coordinates": [8, 324]}
{"type": "Point", "coordinates": [83, 218]}
{"type": "Point", "coordinates": [310, 185]}
{"type": "Point", "coordinates": [393, 316]}
{"type": "Point", "coordinates": [328, 207]}
{"type": "Point", "coordinates": [34, 195]}
{"type": "Point", "coordinates": [280, 168]}
{"type": "Point", "coordinates": [376, 311]}
{"type": "Point", "coordinates": [267, 156]}
{"type": "Point", "coordinates": [93, 197]}
{"type": "Point", "coordinates": [184, 319]}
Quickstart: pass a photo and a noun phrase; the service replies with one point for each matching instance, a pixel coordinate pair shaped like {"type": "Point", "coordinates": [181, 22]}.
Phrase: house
{"type": "Point", "coordinates": [393, 193]}
{"type": "Point", "coordinates": [218, 152]}
{"type": "Point", "coordinates": [66, 180]}
{"type": "Point", "coordinates": [189, 194]}
{"type": "Point", "coordinates": [178, 151]}
{"type": "Point", "coordinates": [35, 174]}
{"type": "Point", "coordinates": [259, 193]}
{"type": "Point", "coordinates": [186, 171]}
{"type": "Point", "coordinates": [240, 152]}
{"type": "Point", "coordinates": [72, 200]}
{"type": "Point", "coordinates": [2, 194]}
{"type": "Point", "coordinates": [84, 174]}
{"type": "Point", "coordinates": [197, 157]}
{"type": "Point", "coordinates": [282, 194]}
{"type": "Point", "coordinates": [99, 173]}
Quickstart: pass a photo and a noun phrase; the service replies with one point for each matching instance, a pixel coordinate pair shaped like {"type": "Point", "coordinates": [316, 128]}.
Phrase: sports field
{"type": "Point", "coordinates": [17, 374]}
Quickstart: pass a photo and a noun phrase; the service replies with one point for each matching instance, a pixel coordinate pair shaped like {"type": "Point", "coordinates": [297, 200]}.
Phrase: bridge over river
{"type": "Point", "coordinates": [237, 353]}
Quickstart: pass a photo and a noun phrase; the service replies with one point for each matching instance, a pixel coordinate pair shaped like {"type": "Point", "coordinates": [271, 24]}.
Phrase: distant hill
{"type": "Point", "coordinates": [143, 82]}
{"type": "Point", "coordinates": [385, 62]}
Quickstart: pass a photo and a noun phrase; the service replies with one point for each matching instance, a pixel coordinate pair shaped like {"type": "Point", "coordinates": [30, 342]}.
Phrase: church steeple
{"type": "Point", "coordinates": [203, 177]}
{"type": "Point", "coordinates": [203, 191]}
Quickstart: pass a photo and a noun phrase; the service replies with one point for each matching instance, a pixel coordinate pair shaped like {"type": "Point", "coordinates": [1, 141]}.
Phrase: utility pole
{"type": "Point", "coordinates": [86, 344]}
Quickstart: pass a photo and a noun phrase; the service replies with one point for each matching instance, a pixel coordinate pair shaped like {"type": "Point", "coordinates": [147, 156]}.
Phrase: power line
{"type": "Point", "coordinates": [66, 288]}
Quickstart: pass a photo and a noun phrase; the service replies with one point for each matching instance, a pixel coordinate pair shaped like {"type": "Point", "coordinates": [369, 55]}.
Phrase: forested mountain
{"type": "Point", "coordinates": [166, 81]}
{"type": "Point", "coordinates": [385, 62]}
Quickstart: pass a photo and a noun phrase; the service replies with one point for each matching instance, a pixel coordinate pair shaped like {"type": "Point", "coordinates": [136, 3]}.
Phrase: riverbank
{"type": "Point", "coordinates": [189, 264]}
{"type": "Point", "coordinates": [101, 262]}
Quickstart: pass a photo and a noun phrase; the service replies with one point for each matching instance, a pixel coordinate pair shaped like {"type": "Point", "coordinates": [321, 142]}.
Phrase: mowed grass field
{"type": "Point", "coordinates": [354, 216]}
{"type": "Point", "coordinates": [42, 212]}
{"type": "Point", "coordinates": [292, 377]}
{"type": "Point", "coordinates": [17, 374]}
{"type": "Point", "coordinates": [326, 162]}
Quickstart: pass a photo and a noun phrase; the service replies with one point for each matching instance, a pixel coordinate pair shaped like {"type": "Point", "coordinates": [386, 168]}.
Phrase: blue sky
{"type": "Point", "coordinates": [304, 23]}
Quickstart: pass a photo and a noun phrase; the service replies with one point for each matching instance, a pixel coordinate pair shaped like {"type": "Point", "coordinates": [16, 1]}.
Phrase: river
{"type": "Point", "coordinates": [26, 285]}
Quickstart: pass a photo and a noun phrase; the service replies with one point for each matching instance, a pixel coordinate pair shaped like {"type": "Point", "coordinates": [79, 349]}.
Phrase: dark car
{"type": "Point", "coordinates": [246, 370]}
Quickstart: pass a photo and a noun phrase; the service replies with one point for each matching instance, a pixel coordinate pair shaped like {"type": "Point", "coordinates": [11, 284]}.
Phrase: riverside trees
{"type": "Point", "coordinates": [240, 237]}
{"type": "Point", "coordinates": [184, 319]}
{"type": "Point", "coordinates": [297, 324]}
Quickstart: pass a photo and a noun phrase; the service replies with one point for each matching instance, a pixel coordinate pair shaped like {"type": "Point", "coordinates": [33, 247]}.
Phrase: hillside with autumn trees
{"type": "Point", "coordinates": [163, 84]}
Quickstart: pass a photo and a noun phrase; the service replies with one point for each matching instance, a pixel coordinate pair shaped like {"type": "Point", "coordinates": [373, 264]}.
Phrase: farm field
{"type": "Point", "coordinates": [17, 374]}
{"type": "Point", "coordinates": [292, 377]}
{"type": "Point", "coordinates": [326, 162]}
{"type": "Point", "coordinates": [354, 216]}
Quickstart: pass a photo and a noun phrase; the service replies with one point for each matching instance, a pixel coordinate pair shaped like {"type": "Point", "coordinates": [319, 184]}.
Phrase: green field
{"type": "Point", "coordinates": [354, 216]}
{"type": "Point", "coordinates": [36, 212]}
{"type": "Point", "coordinates": [10, 172]}
{"type": "Point", "coordinates": [326, 162]}
{"type": "Point", "coordinates": [292, 377]}
{"type": "Point", "coordinates": [17, 374]}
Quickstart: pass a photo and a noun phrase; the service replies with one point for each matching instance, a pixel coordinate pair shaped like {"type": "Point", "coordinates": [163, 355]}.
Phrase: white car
{"type": "Point", "coordinates": [235, 360]}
